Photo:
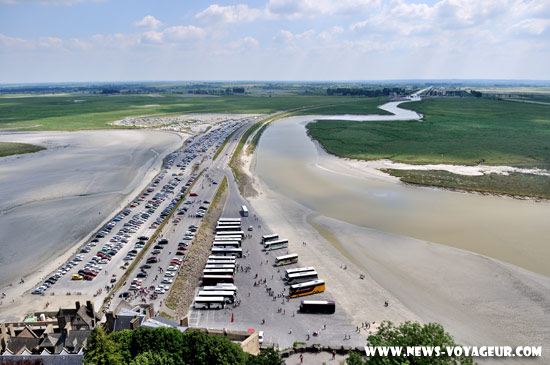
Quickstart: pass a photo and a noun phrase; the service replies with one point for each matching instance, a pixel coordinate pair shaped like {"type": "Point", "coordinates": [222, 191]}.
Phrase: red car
{"type": "Point", "coordinates": [192, 194]}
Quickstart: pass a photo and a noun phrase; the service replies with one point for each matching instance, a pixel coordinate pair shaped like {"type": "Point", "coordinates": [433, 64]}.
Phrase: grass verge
{"type": "Point", "coordinates": [10, 148]}
{"type": "Point", "coordinates": [516, 184]}
{"type": "Point", "coordinates": [182, 292]}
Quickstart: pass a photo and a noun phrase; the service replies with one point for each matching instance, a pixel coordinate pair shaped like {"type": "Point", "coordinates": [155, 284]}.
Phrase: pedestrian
{"type": "Point", "coordinates": [301, 358]}
{"type": "Point", "coordinates": [333, 354]}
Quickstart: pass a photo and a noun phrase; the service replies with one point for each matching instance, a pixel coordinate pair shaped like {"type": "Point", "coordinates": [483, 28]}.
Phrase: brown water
{"type": "Point", "coordinates": [506, 229]}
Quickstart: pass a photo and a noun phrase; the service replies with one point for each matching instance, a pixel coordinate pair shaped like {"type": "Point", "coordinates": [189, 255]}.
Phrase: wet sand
{"type": "Point", "coordinates": [52, 200]}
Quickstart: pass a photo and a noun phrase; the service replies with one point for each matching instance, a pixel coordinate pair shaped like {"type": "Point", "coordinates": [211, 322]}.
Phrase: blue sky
{"type": "Point", "coordinates": [111, 40]}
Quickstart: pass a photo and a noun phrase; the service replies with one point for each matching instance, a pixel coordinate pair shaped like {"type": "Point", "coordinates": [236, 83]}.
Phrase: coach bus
{"type": "Point", "coordinates": [275, 245]}
{"type": "Point", "coordinates": [237, 252]}
{"type": "Point", "coordinates": [317, 306]}
{"type": "Point", "coordinates": [209, 302]}
{"type": "Point", "coordinates": [298, 270]}
{"type": "Point", "coordinates": [286, 259]}
{"type": "Point", "coordinates": [230, 233]}
{"type": "Point", "coordinates": [244, 211]}
{"type": "Point", "coordinates": [269, 237]}
{"type": "Point", "coordinates": [231, 228]}
{"type": "Point", "coordinates": [221, 266]}
{"type": "Point", "coordinates": [229, 224]}
{"type": "Point", "coordinates": [223, 287]}
{"type": "Point", "coordinates": [235, 244]}
{"type": "Point", "coordinates": [228, 238]}
{"type": "Point", "coordinates": [302, 277]}
{"type": "Point", "coordinates": [307, 288]}
{"type": "Point", "coordinates": [218, 271]}
{"type": "Point", "coordinates": [220, 262]}
{"type": "Point", "coordinates": [216, 279]}
{"type": "Point", "coordinates": [229, 296]}
{"type": "Point", "coordinates": [221, 258]}
{"type": "Point", "coordinates": [235, 220]}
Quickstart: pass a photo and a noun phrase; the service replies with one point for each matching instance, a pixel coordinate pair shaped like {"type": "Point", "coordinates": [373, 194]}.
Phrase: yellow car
{"type": "Point", "coordinates": [77, 277]}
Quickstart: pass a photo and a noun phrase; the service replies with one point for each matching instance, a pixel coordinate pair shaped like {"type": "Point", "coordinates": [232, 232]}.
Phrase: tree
{"type": "Point", "coordinates": [266, 357]}
{"type": "Point", "coordinates": [414, 334]}
{"type": "Point", "coordinates": [101, 350]}
{"type": "Point", "coordinates": [154, 358]}
{"type": "Point", "coordinates": [200, 348]}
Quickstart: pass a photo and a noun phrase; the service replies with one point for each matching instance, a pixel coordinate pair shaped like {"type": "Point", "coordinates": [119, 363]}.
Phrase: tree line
{"type": "Point", "coordinates": [348, 91]}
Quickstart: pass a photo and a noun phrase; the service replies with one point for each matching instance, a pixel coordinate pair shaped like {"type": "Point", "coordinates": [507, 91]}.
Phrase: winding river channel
{"type": "Point", "coordinates": [510, 230]}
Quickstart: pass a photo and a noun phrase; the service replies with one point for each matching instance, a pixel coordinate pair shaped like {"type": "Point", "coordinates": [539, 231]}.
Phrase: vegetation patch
{"type": "Point", "coordinates": [10, 148]}
{"type": "Point", "coordinates": [515, 184]}
{"type": "Point", "coordinates": [463, 131]}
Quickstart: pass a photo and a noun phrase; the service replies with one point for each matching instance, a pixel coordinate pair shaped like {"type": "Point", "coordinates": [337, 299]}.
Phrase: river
{"type": "Point", "coordinates": [510, 230]}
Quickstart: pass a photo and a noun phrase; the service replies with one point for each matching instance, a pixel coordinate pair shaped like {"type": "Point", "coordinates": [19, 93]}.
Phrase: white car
{"type": "Point", "coordinates": [172, 268]}
{"type": "Point", "coordinates": [159, 290]}
{"type": "Point", "coordinates": [170, 274]}
{"type": "Point", "coordinates": [261, 337]}
{"type": "Point", "coordinates": [167, 281]}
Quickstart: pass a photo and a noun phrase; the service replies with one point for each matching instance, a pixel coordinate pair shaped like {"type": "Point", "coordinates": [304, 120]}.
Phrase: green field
{"type": "Point", "coordinates": [353, 106]}
{"type": "Point", "coordinates": [514, 184]}
{"type": "Point", "coordinates": [460, 131]}
{"type": "Point", "coordinates": [94, 111]}
{"type": "Point", "coordinates": [9, 148]}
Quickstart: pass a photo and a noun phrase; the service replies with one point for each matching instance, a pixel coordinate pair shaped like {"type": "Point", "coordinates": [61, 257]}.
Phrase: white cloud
{"type": "Point", "coordinates": [287, 36]}
{"type": "Point", "coordinates": [534, 27]}
{"type": "Point", "coordinates": [149, 22]}
{"type": "Point", "coordinates": [229, 14]}
{"type": "Point", "coordinates": [246, 43]}
{"type": "Point", "coordinates": [183, 33]}
{"type": "Point", "coordinates": [330, 33]}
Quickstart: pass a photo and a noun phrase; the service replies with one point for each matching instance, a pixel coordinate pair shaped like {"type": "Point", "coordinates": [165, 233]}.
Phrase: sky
{"type": "Point", "coordinates": [279, 40]}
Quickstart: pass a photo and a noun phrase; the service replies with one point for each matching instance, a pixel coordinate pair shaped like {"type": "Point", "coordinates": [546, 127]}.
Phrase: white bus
{"type": "Point", "coordinates": [269, 237]}
{"type": "Point", "coordinates": [218, 251]}
{"type": "Point", "coordinates": [231, 233]}
{"type": "Point", "coordinates": [223, 287]}
{"type": "Point", "coordinates": [228, 238]}
{"type": "Point", "coordinates": [220, 266]}
{"type": "Point", "coordinates": [228, 229]}
{"type": "Point", "coordinates": [218, 271]}
{"type": "Point", "coordinates": [220, 262]}
{"type": "Point", "coordinates": [223, 224]}
{"type": "Point", "coordinates": [229, 296]}
{"type": "Point", "coordinates": [233, 244]}
{"type": "Point", "coordinates": [244, 211]}
{"type": "Point", "coordinates": [298, 270]}
{"type": "Point", "coordinates": [302, 277]}
{"type": "Point", "coordinates": [237, 220]}
{"type": "Point", "coordinates": [221, 258]}
{"type": "Point", "coordinates": [209, 303]}
{"type": "Point", "coordinates": [275, 245]}
{"type": "Point", "coordinates": [286, 259]}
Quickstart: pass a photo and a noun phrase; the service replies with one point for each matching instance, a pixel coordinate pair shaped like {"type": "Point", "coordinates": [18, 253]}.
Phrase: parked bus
{"type": "Point", "coordinates": [209, 303]}
{"type": "Point", "coordinates": [215, 279]}
{"type": "Point", "coordinates": [221, 224]}
{"type": "Point", "coordinates": [229, 296]}
{"type": "Point", "coordinates": [233, 244]}
{"type": "Point", "coordinates": [275, 245]}
{"type": "Point", "coordinates": [220, 262]}
{"type": "Point", "coordinates": [218, 271]}
{"type": "Point", "coordinates": [231, 233]}
{"type": "Point", "coordinates": [228, 238]}
{"type": "Point", "coordinates": [317, 306]}
{"type": "Point", "coordinates": [221, 258]}
{"type": "Point", "coordinates": [297, 270]}
{"type": "Point", "coordinates": [218, 251]}
{"type": "Point", "coordinates": [228, 229]}
{"type": "Point", "coordinates": [307, 288]}
{"type": "Point", "coordinates": [302, 277]}
{"type": "Point", "coordinates": [237, 220]}
{"type": "Point", "coordinates": [223, 287]}
{"type": "Point", "coordinates": [286, 259]}
{"type": "Point", "coordinates": [269, 237]}
{"type": "Point", "coordinates": [244, 211]}
{"type": "Point", "coordinates": [220, 266]}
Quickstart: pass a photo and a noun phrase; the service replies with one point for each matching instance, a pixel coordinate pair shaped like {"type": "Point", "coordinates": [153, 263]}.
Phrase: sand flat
{"type": "Point", "coordinates": [52, 199]}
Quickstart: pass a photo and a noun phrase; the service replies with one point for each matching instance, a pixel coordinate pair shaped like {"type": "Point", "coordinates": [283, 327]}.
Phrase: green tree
{"type": "Point", "coordinates": [124, 340]}
{"type": "Point", "coordinates": [266, 357]}
{"type": "Point", "coordinates": [355, 358]}
{"type": "Point", "coordinates": [414, 334]}
{"type": "Point", "coordinates": [200, 348]}
{"type": "Point", "coordinates": [154, 358]}
{"type": "Point", "coordinates": [101, 350]}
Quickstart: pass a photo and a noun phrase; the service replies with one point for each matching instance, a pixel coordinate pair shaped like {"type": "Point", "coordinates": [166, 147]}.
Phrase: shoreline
{"type": "Point", "coordinates": [17, 292]}
{"type": "Point", "coordinates": [478, 299]}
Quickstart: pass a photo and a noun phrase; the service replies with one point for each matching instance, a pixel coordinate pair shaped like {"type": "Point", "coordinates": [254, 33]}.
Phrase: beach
{"type": "Point", "coordinates": [479, 300]}
{"type": "Point", "coordinates": [53, 200]}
